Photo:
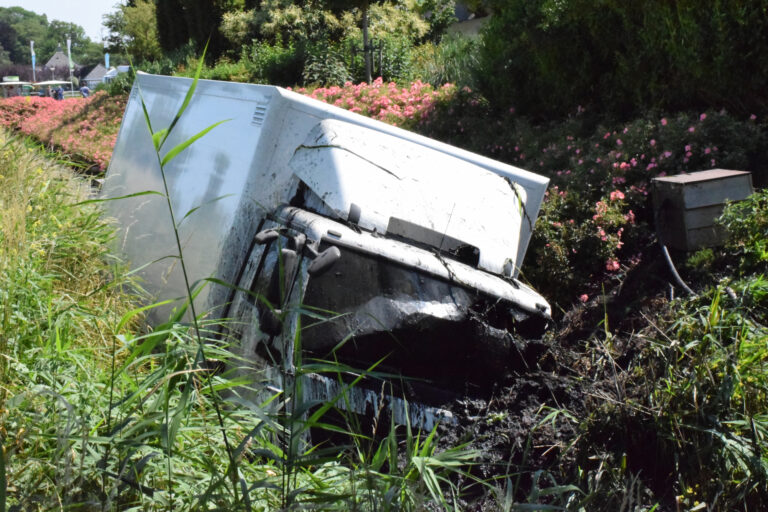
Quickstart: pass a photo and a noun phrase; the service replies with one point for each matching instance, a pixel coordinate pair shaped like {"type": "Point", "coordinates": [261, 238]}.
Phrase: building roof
{"type": "Point", "coordinates": [96, 73]}
{"type": "Point", "coordinates": [59, 60]}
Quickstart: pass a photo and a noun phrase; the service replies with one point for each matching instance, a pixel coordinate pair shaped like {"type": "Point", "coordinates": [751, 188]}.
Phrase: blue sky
{"type": "Point", "coordinates": [86, 13]}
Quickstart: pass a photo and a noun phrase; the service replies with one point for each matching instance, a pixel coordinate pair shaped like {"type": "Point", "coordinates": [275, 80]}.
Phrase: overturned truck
{"type": "Point", "coordinates": [361, 240]}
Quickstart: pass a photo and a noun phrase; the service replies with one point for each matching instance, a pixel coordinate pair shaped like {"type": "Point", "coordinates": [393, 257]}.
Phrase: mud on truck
{"type": "Point", "coordinates": [362, 240]}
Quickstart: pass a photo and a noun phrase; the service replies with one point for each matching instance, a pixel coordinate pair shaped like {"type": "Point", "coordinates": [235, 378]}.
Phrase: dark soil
{"type": "Point", "coordinates": [572, 413]}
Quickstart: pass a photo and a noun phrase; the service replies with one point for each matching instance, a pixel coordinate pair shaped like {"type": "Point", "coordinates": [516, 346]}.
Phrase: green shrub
{"type": "Point", "coordinates": [394, 62]}
{"type": "Point", "coordinates": [276, 64]}
{"type": "Point", "coordinates": [228, 71]}
{"type": "Point", "coordinates": [324, 65]}
{"type": "Point", "coordinates": [546, 57]}
{"type": "Point", "coordinates": [747, 225]}
{"type": "Point", "coordinates": [454, 60]}
{"type": "Point", "coordinates": [118, 86]}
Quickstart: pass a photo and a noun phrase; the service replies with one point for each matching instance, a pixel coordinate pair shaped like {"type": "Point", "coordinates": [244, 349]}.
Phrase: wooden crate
{"type": "Point", "coordinates": [686, 206]}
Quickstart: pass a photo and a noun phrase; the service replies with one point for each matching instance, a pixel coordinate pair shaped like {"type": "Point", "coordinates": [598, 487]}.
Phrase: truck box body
{"type": "Point", "coordinates": [422, 233]}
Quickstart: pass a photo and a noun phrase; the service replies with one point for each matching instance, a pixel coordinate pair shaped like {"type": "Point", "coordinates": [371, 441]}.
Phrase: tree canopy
{"type": "Point", "coordinates": [19, 26]}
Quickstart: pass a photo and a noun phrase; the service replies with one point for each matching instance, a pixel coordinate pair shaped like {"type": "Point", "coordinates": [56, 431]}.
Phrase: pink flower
{"type": "Point", "coordinates": [583, 297]}
{"type": "Point", "coordinates": [663, 121]}
{"type": "Point", "coordinates": [691, 129]}
{"type": "Point", "coordinates": [653, 142]}
{"type": "Point", "coordinates": [612, 265]}
{"type": "Point", "coordinates": [752, 117]}
{"type": "Point", "coordinates": [617, 195]}
{"type": "Point", "coordinates": [702, 117]}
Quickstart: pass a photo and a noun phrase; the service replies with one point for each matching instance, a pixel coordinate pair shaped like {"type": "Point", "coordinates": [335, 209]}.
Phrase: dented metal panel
{"type": "Point", "coordinates": [354, 169]}
{"type": "Point", "coordinates": [240, 171]}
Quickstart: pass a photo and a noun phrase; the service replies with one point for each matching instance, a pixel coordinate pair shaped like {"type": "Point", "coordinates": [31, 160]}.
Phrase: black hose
{"type": "Point", "coordinates": [678, 279]}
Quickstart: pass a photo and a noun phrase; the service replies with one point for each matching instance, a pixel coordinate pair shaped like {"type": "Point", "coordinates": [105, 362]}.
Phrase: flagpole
{"type": "Point", "coordinates": [32, 49]}
{"type": "Point", "coordinates": [69, 57]}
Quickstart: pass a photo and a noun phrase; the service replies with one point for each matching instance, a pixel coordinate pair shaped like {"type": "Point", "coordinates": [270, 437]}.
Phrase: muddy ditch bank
{"type": "Point", "coordinates": [571, 413]}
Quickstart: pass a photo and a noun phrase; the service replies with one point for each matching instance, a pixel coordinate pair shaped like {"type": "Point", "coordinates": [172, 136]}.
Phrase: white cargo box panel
{"type": "Point", "coordinates": [242, 170]}
{"type": "Point", "coordinates": [688, 204]}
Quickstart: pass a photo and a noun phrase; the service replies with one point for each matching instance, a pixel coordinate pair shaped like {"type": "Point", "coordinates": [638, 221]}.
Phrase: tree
{"type": "Point", "coordinates": [171, 29]}
{"type": "Point", "coordinates": [17, 27]}
{"type": "Point", "coordinates": [4, 59]}
{"type": "Point", "coordinates": [133, 30]}
{"type": "Point", "coordinates": [181, 21]}
{"type": "Point", "coordinates": [116, 40]}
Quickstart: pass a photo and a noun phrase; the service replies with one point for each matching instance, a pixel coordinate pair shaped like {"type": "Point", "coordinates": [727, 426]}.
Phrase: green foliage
{"type": "Point", "coordinates": [59, 294]}
{"type": "Point", "coordinates": [4, 56]}
{"type": "Point", "coordinates": [454, 60]}
{"type": "Point", "coordinates": [714, 391]}
{"type": "Point", "coordinates": [747, 225]}
{"type": "Point", "coordinates": [277, 64]}
{"type": "Point", "coordinates": [284, 21]}
{"type": "Point", "coordinates": [701, 261]}
{"type": "Point", "coordinates": [546, 57]}
{"type": "Point", "coordinates": [439, 14]}
{"type": "Point", "coordinates": [18, 26]}
{"type": "Point", "coordinates": [118, 86]}
{"type": "Point", "coordinates": [237, 27]}
{"type": "Point", "coordinates": [180, 22]}
{"type": "Point", "coordinates": [325, 40]}
{"type": "Point", "coordinates": [395, 63]}
{"type": "Point", "coordinates": [324, 65]}
{"type": "Point", "coordinates": [133, 31]}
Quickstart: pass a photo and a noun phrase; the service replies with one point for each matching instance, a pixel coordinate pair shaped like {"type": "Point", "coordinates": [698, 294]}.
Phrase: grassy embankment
{"type": "Point", "coordinates": [684, 379]}
{"type": "Point", "coordinates": [97, 415]}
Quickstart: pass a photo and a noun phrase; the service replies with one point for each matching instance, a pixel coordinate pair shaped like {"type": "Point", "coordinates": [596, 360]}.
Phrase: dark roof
{"type": "Point", "coordinates": [96, 73]}
{"type": "Point", "coordinates": [59, 60]}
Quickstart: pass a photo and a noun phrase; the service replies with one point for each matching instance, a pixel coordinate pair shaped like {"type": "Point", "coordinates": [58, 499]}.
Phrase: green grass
{"type": "Point", "coordinates": [98, 414]}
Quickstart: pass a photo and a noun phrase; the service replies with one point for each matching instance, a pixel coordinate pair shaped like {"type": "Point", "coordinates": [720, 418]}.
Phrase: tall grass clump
{"type": "Point", "coordinates": [454, 60]}
{"type": "Point", "coordinates": [60, 297]}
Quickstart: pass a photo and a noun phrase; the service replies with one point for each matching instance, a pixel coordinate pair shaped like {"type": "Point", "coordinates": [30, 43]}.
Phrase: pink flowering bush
{"type": "Point", "coordinates": [85, 129]}
{"type": "Point", "coordinates": [596, 222]}
{"type": "Point", "coordinates": [401, 106]}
